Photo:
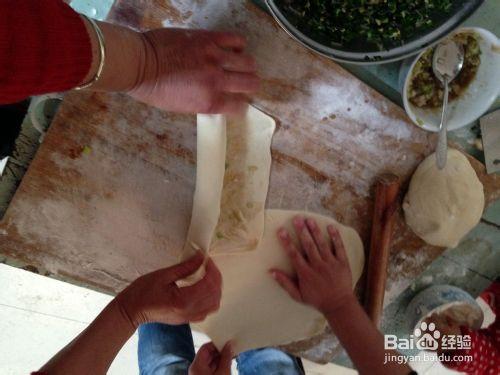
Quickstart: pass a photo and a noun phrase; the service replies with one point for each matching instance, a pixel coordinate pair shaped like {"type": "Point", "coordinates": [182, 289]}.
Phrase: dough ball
{"type": "Point", "coordinates": [442, 206]}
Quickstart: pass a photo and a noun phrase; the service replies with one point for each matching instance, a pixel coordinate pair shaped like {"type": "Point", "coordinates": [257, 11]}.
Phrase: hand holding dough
{"type": "Point", "coordinates": [229, 222]}
{"type": "Point", "coordinates": [323, 277]}
{"type": "Point", "coordinates": [255, 311]}
{"type": "Point", "coordinates": [442, 206]}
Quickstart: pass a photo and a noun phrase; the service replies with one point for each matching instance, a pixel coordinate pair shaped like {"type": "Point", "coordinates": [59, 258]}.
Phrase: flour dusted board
{"type": "Point", "coordinates": [334, 133]}
{"type": "Point", "coordinates": [109, 195]}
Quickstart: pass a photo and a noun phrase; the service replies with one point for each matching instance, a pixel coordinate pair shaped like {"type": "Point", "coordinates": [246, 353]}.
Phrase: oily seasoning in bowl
{"type": "Point", "coordinates": [426, 91]}
{"type": "Point", "coordinates": [368, 31]}
{"type": "Point", "coordinates": [472, 92]}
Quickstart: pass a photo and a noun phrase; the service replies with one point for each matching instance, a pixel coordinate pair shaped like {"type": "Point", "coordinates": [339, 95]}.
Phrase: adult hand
{"type": "Point", "coordinates": [323, 278]}
{"type": "Point", "coordinates": [324, 281]}
{"type": "Point", "coordinates": [155, 297]}
{"type": "Point", "coordinates": [209, 361]}
{"type": "Point", "coordinates": [195, 71]}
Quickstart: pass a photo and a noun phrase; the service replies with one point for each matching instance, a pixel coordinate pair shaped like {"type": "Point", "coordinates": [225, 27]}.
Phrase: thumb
{"type": "Point", "coordinates": [184, 269]}
{"type": "Point", "coordinates": [207, 353]}
{"type": "Point", "coordinates": [225, 359]}
{"type": "Point", "coordinates": [203, 360]}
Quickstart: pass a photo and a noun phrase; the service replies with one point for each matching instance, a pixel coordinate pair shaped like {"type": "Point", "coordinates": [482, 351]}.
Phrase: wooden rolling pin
{"type": "Point", "coordinates": [386, 202]}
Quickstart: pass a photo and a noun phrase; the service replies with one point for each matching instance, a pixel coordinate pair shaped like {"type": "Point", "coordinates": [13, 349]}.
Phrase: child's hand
{"type": "Point", "coordinates": [323, 275]}
{"type": "Point", "coordinates": [209, 361]}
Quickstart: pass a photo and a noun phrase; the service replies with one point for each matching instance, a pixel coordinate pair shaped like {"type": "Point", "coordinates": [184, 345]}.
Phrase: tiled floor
{"type": "Point", "coordinates": [39, 315]}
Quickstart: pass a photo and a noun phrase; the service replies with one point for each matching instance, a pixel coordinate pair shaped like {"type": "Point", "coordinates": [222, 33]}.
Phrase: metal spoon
{"type": "Point", "coordinates": [447, 62]}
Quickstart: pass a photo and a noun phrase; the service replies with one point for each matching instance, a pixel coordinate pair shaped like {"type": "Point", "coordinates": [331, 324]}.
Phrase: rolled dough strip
{"type": "Point", "coordinates": [211, 156]}
{"type": "Point", "coordinates": [246, 181]}
{"type": "Point", "coordinates": [255, 311]}
{"type": "Point", "coordinates": [232, 179]}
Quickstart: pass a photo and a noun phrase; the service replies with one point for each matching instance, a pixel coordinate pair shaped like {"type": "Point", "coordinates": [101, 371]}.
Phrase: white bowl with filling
{"type": "Point", "coordinates": [471, 94]}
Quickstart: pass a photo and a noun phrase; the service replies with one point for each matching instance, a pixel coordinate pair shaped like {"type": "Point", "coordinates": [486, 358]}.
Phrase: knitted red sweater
{"type": "Point", "coordinates": [485, 343]}
{"type": "Point", "coordinates": [44, 47]}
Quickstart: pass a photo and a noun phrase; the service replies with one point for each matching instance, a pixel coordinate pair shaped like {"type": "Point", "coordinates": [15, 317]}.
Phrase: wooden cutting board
{"type": "Point", "coordinates": [109, 194]}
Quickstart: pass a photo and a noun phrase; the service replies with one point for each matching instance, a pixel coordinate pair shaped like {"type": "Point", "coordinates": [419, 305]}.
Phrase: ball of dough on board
{"type": "Point", "coordinates": [442, 206]}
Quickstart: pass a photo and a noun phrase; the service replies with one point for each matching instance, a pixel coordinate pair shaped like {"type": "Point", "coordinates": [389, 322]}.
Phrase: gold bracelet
{"type": "Point", "coordinates": [102, 52]}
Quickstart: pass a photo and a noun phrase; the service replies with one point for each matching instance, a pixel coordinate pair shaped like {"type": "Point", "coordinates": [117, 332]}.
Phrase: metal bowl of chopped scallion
{"type": "Point", "coordinates": [370, 31]}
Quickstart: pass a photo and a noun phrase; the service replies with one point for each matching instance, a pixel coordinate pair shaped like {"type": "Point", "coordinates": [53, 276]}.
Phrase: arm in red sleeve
{"type": "Point", "coordinates": [44, 47]}
{"type": "Point", "coordinates": [485, 343]}
{"type": "Point", "coordinates": [485, 355]}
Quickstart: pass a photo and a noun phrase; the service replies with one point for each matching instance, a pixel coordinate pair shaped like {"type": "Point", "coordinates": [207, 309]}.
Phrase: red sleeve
{"type": "Point", "coordinates": [483, 352]}
{"type": "Point", "coordinates": [491, 296]}
{"type": "Point", "coordinates": [44, 47]}
{"type": "Point", "coordinates": [485, 343]}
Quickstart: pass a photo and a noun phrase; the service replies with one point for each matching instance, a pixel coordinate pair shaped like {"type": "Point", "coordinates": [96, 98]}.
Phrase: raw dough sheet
{"type": "Point", "coordinates": [230, 223]}
{"type": "Point", "coordinates": [255, 311]}
{"type": "Point", "coordinates": [232, 179]}
{"type": "Point", "coordinates": [211, 157]}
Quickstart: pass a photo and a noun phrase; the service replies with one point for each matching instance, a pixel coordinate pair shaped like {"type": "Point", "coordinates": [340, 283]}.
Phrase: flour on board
{"type": "Point", "coordinates": [120, 224]}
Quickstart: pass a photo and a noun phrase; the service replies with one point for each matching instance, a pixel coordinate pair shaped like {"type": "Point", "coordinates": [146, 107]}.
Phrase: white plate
{"type": "Point", "coordinates": [470, 105]}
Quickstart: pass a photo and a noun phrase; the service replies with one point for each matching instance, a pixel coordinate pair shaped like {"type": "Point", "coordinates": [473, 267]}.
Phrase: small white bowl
{"type": "Point", "coordinates": [471, 104]}
{"type": "Point", "coordinates": [439, 298]}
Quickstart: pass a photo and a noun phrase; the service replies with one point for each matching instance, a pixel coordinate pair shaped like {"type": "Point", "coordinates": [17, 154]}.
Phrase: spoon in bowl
{"type": "Point", "coordinates": [447, 62]}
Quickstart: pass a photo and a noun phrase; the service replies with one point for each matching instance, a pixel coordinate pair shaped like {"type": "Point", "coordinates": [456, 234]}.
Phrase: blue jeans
{"type": "Point", "coordinates": [169, 350]}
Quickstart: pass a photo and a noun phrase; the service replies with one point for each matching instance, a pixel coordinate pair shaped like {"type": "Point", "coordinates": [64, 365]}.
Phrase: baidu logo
{"type": "Point", "coordinates": [427, 337]}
